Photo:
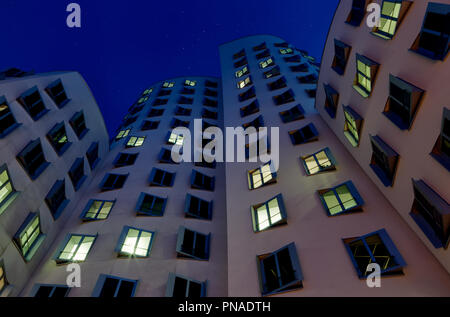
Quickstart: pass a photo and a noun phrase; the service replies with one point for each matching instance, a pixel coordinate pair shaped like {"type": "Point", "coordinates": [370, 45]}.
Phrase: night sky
{"type": "Point", "coordinates": [125, 46]}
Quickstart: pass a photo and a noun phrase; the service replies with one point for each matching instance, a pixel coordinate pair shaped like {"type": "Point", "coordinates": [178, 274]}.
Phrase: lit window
{"type": "Point", "coordinates": [7, 121]}
{"type": "Point", "coordinates": [202, 181]}
{"type": "Point", "coordinates": [304, 135]}
{"type": "Point", "coordinates": [78, 124]}
{"type": "Point", "coordinates": [341, 55]}
{"type": "Point", "coordinates": [122, 134]}
{"type": "Point", "coordinates": [384, 160]}
{"type": "Point", "coordinates": [376, 247]}
{"type": "Point", "coordinates": [175, 138]}
{"type": "Point", "coordinates": [147, 91]}
{"type": "Point", "coordinates": [56, 199]}
{"type": "Point", "coordinates": [191, 83]}
{"type": "Point", "coordinates": [135, 141]}
{"type": "Point", "coordinates": [352, 125]}
{"type": "Point", "coordinates": [76, 173]}
{"type": "Point", "coordinates": [75, 248]}
{"type": "Point", "coordinates": [198, 208]}
{"type": "Point", "coordinates": [113, 181]}
{"type": "Point", "coordinates": [242, 72]}
{"type": "Point", "coordinates": [321, 161]}
{"type": "Point", "coordinates": [261, 176]}
{"type": "Point", "coordinates": [142, 100]}
{"type": "Point", "coordinates": [182, 287]}
{"type": "Point", "coordinates": [92, 155]}
{"type": "Point", "coordinates": [109, 286]}
{"type": "Point", "coordinates": [192, 244]}
{"type": "Point", "coordinates": [292, 114]}
{"type": "Point", "coordinates": [341, 199]}
{"type": "Point", "coordinates": [357, 13]}
{"type": "Point", "coordinates": [50, 291]}
{"type": "Point", "coordinates": [365, 75]}
{"type": "Point", "coordinates": [285, 97]}
{"type": "Point", "coordinates": [244, 83]}
{"type": "Point", "coordinates": [266, 63]}
{"type": "Point", "coordinates": [168, 84]}
{"type": "Point", "coordinates": [149, 125]}
{"type": "Point", "coordinates": [3, 281]}
{"type": "Point", "coordinates": [57, 137]}
{"type": "Point", "coordinates": [32, 101]}
{"type": "Point", "coordinates": [29, 237]}
{"type": "Point", "coordinates": [97, 210]}
{"type": "Point", "coordinates": [125, 159]}
{"type": "Point", "coordinates": [392, 13]}
{"type": "Point", "coordinates": [32, 159]}
{"type": "Point", "coordinates": [7, 191]}
{"type": "Point", "coordinates": [150, 205]}
{"type": "Point", "coordinates": [441, 149]}
{"type": "Point", "coordinates": [135, 242]}
{"type": "Point", "coordinates": [269, 214]}
{"type": "Point", "coordinates": [161, 178]}
{"type": "Point", "coordinates": [285, 51]}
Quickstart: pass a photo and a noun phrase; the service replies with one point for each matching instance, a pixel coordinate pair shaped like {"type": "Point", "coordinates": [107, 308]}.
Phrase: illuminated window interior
{"type": "Point", "coordinates": [266, 63]}
{"type": "Point", "coordinates": [244, 83]}
{"type": "Point", "coordinates": [122, 134]}
{"type": "Point", "coordinates": [366, 70]}
{"type": "Point", "coordinates": [135, 141]}
{"type": "Point", "coordinates": [269, 214]}
{"type": "Point", "coordinates": [242, 72]}
{"type": "Point", "coordinates": [135, 242]}
{"type": "Point", "coordinates": [97, 210]}
{"type": "Point", "coordinates": [318, 162]}
{"type": "Point", "coordinates": [352, 125]}
{"type": "Point", "coordinates": [261, 176]}
{"type": "Point", "coordinates": [75, 249]}
{"type": "Point", "coordinates": [341, 199]}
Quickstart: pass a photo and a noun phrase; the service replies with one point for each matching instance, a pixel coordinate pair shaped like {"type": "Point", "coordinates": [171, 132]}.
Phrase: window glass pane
{"type": "Point", "coordinates": [70, 248]}
{"type": "Point", "coordinates": [332, 203]}
{"type": "Point", "coordinates": [380, 252]}
{"type": "Point", "coordinates": [5, 186]}
{"type": "Point", "coordinates": [274, 211]}
{"type": "Point", "coordinates": [83, 249]}
{"type": "Point", "coordinates": [263, 219]}
{"type": "Point", "coordinates": [391, 9]}
{"type": "Point", "coordinates": [143, 243]}
{"type": "Point", "coordinates": [323, 159]}
{"type": "Point", "coordinates": [267, 173]}
{"type": "Point", "coordinates": [311, 164]}
{"type": "Point", "coordinates": [346, 197]}
{"type": "Point", "coordinates": [360, 255]}
{"type": "Point", "coordinates": [130, 241]}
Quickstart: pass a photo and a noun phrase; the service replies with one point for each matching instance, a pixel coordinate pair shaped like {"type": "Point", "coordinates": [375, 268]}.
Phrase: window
{"type": "Point", "coordinates": [155, 113]}
{"type": "Point", "coordinates": [32, 159]}
{"type": "Point", "coordinates": [307, 79]}
{"type": "Point", "coordinates": [285, 97]}
{"type": "Point", "coordinates": [331, 100]}
{"type": "Point", "coordinates": [211, 84]}
{"type": "Point", "coordinates": [293, 59]}
{"type": "Point", "coordinates": [240, 63]}
{"type": "Point", "coordinates": [135, 141]}
{"type": "Point", "coordinates": [161, 178]}
{"type": "Point", "coordinates": [76, 173]}
{"type": "Point", "coordinates": [56, 199]}
{"type": "Point", "coordinates": [365, 75]}
{"type": "Point", "coordinates": [50, 291]}
{"type": "Point", "coordinates": [198, 208]}
{"type": "Point", "coordinates": [150, 205]}
{"type": "Point", "coordinates": [282, 44]}
{"type": "Point", "coordinates": [242, 72]}
{"type": "Point", "coordinates": [75, 248]}
{"type": "Point", "coordinates": [168, 84]}
{"type": "Point", "coordinates": [376, 247]}
{"type": "Point", "coordinates": [263, 54]}
{"type": "Point", "coordinates": [292, 114]}
{"type": "Point", "coordinates": [180, 111]}
{"type": "Point", "coordinates": [92, 155]}
{"type": "Point", "coordinates": [342, 199]}
{"type": "Point", "coordinates": [269, 214]}
{"type": "Point", "coordinates": [181, 287]}
{"type": "Point", "coordinates": [403, 102]}
{"type": "Point", "coordinates": [431, 213]}
{"type": "Point", "coordinates": [125, 159]}
{"type": "Point", "coordinates": [160, 102]}
{"type": "Point", "coordinates": [185, 101]}
{"type": "Point", "coordinates": [285, 51]}
{"type": "Point", "coordinates": [32, 102]}
{"type": "Point", "coordinates": [302, 68]}
{"type": "Point", "coordinates": [187, 91]}
{"type": "Point", "coordinates": [210, 92]}
{"type": "Point", "coordinates": [280, 271]}
{"type": "Point", "coordinates": [205, 164]}
{"type": "Point", "coordinates": [352, 125]}
{"type": "Point", "coordinates": [341, 55]}
{"type": "Point", "coordinates": [164, 92]}
{"type": "Point", "coordinates": [7, 191]}
{"type": "Point", "coordinates": [3, 281]}
{"type": "Point", "coordinates": [209, 102]}
{"type": "Point", "coordinates": [244, 82]}
{"type": "Point", "coordinates": [149, 125]}
{"type": "Point", "coordinates": [441, 149]}
{"type": "Point", "coordinates": [262, 176]}
{"type": "Point", "coordinates": [239, 54]}
{"type": "Point", "coordinates": [97, 210]}
{"type": "Point", "coordinates": [311, 92]}
{"type": "Point", "coordinates": [113, 181]}
{"type": "Point", "coordinates": [248, 94]}
{"type": "Point", "coordinates": [142, 100]}
{"type": "Point", "coordinates": [275, 71]}
{"type": "Point", "coordinates": [109, 286]}
{"type": "Point", "coordinates": [190, 83]}
{"type": "Point", "coordinates": [134, 242]}
{"type": "Point", "coordinates": [433, 39]}
{"type": "Point", "coordinates": [192, 244]}
{"type": "Point", "coordinates": [257, 123]}
{"type": "Point", "coordinates": [128, 120]}
{"type": "Point", "coordinates": [122, 134]}
{"type": "Point", "coordinates": [202, 181]}
{"type": "Point", "coordinates": [384, 160]}
{"type": "Point", "coordinates": [319, 162]}
{"type": "Point", "coordinates": [392, 13]}
{"type": "Point", "coordinates": [357, 13]}
{"type": "Point", "coordinates": [165, 156]}
{"type": "Point", "coordinates": [208, 114]}
{"type": "Point", "coordinates": [29, 237]}
{"type": "Point", "coordinates": [260, 47]}
{"type": "Point", "coordinates": [7, 121]}
{"type": "Point", "coordinates": [175, 139]}
{"type": "Point", "coordinates": [147, 91]}
{"type": "Point", "coordinates": [250, 109]}
{"type": "Point", "coordinates": [57, 137]}
{"type": "Point", "coordinates": [266, 63]}
{"type": "Point", "coordinates": [277, 84]}
{"type": "Point", "coordinates": [56, 91]}
{"type": "Point", "coordinates": [78, 124]}
{"type": "Point", "coordinates": [304, 135]}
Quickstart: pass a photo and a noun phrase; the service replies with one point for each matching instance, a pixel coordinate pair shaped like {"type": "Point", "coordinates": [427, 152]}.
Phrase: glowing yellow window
{"type": "Point", "coordinates": [266, 63]}
{"type": "Point", "coordinates": [366, 70]}
{"type": "Point", "coordinates": [261, 176]}
{"type": "Point", "coordinates": [191, 83]}
{"type": "Point", "coordinates": [241, 72]}
{"type": "Point", "coordinates": [176, 139]}
{"type": "Point", "coordinates": [135, 242]}
{"type": "Point", "coordinates": [6, 188]}
{"type": "Point", "coordinates": [168, 84]}
{"type": "Point", "coordinates": [122, 134]}
{"type": "Point", "coordinates": [244, 83]}
{"type": "Point", "coordinates": [76, 249]}
{"type": "Point", "coordinates": [319, 162]}
{"type": "Point", "coordinates": [340, 199]}
{"type": "Point", "coordinates": [135, 141]}
{"type": "Point", "coordinates": [3, 282]}
{"type": "Point", "coordinates": [98, 210]}
{"type": "Point", "coordinates": [390, 16]}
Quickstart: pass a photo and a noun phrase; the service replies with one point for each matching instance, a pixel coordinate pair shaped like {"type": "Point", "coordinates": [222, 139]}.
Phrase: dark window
{"type": "Point", "coordinates": [292, 59]}
{"type": "Point", "coordinates": [76, 173]}
{"type": "Point", "coordinates": [162, 178]}
{"type": "Point", "coordinates": [302, 68]}
{"type": "Point", "coordinates": [248, 94]}
{"type": "Point", "coordinates": [55, 291]}
{"type": "Point", "coordinates": [57, 137]}
{"type": "Point", "coordinates": [352, 125]}
{"type": "Point", "coordinates": [208, 114]}
{"type": "Point", "coordinates": [15, 72]}
{"type": "Point", "coordinates": [304, 135]}
{"type": "Point", "coordinates": [252, 108]}
{"type": "Point", "coordinates": [275, 71]}
{"type": "Point", "coordinates": [185, 101]}
{"type": "Point", "coordinates": [384, 160]}
{"type": "Point", "coordinates": [78, 124]}
{"type": "Point", "coordinates": [198, 208]}
{"type": "Point", "coordinates": [7, 121]}
{"type": "Point", "coordinates": [331, 100]}
{"type": "Point", "coordinates": [277, 84]}
{"type": "Point", "coordinates": [202, 181]}
{"type": "Point", "coordinates": [192, 244]}
{"type": "Point", "coordinates": [181, 287]}
{"type": "Point", "coordinates": [164, 92]}
{"type": "Point", "coordinates": [128, 120]}
{"type": "Point", "coordinates": [32, 159]}
{"type": "Point", "coordinates": [285, 97]}
{"type": "Point", "coordinates": [264, 54]}
{"type": "Point", "coordinates": [150, 205]}
{"type": "Point", "coordinates": [56, 91]}
{"type": "Point", "coordinates": [32, 102]}
{"type": "Point", "coordinates": [357, 13]}
{"type": "Point", "coordinates": [292, 114]}
{"type": "Point", "coordinates": [307, 79]}
{"type": "Point", "coordinates": [203, 163]}
{"type": "Point", "coordinates": [160, 102]}
{"type": "Point", "coordinates": [341, 55]}
{"type": "Point", "coordinates": [56, 199]}
{"type": "Point", "coordinates": [155, 113]}
{"type": "Point", "coordinates": [149, 125]}
{"type": "Point", "coordinates": [179, 123]}
{"type": "Point", "coordinates": [210, 92]}
{"type": "Point", "coordinates": [241, 62]}
{"type": "Point", "coordinates": [239, 54]}
{"type": "Point", "coordinates": [441, 149]}
{"type": "Point", "coordinates": [92, 155]}
{"type": "Point", "coordinates": [181, 111]}
{"type": "Point", "coordinates": [113, 181]}
{"type": "Point", "coordinates": [211, 84]}
{"type": "Point", "coordinates": [125, 159]}
{"type": "Point", "coordinates": [257, 123]}
{"type": "Point", "coordinates": [135, 109]}
{"type": "Point", "coordinates": [282, 44]}
{"type": "Point", "coordinates": [165, 156]}
{"type": "Point", "coordinates": [209, 102]}
{"type": "Point", "coordinates": [311, 92]}
{"type": "Point", "coordinates": [112, 286]}
{"type": "Point", "coordinates": [260, 47]}
{"type": "Point", "coordinates": [187, 91]}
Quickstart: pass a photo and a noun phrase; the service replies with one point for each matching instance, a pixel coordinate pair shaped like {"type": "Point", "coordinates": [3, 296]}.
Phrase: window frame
{"type": "Point", "coordinates": [56, 129]}
{"type": "Point", "coordinates": [258, 170]}
{"type": "Point", "coordinates": [121, 242]}
{"type": "Point", "coordinates": [390, 157]}
{"type": "Point", "coordinates": [170, 286]}
{"type": "Point", "coordinates": [32, 145]}
{"type": "Point", "coordinates": [287, 116]}
{"type": "Point", "coordinates": [29, 108]}
{"type": "Point", "coordinates": [133, 157]}
{"type": "Point", "coordinates": [189, 214]}
{"type": "Point", "coordinates": [14, 125]}
{"type": "Point", "coordinates": [322, 169]}
{"type": "Point", "coordinates": [255, 217]}
{"type": "Point", "coordinates": [150, 213]}
{"type": "Point", "coordinates": [36, 242]}
{"type": "Point", "coordinates": [180, 240]}
{"type": "Point", "coordinates": [351, 190]}
{"type": "Point", "coordinates": [49, 90]}
{"type": "Point", "coordinates": [358, 12]}
{"type": "Point", "coordinates": [404, 7]}
{"type": "Point", "coordinates": [373, 68]}
{"type": "Point", "coordinates": [97, 292]}
{"type": "Point", "coordinates": [94, 147]}
{"type": "Point", "coordinates": [64, 243]}
{"type": "Point", "coordinates": [313, 138]}
{"type": "Point", "coordinates": [77, 116]}
{"type": "Point", "coordinates": [358, 120]}
{"type": "Point", "coordinates": [59, 185]}
{"type": "Point", "coordinates": [90, 203]}
{"type": "Point", "coordinates": [37, 286]}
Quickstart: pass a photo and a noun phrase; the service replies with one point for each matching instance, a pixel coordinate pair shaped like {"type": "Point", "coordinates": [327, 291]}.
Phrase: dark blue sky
{"type": "Point", "coordinates": [125, 46]}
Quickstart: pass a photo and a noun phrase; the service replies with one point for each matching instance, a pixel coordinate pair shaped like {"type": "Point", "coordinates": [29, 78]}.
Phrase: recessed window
{"type": "Point", "coordinates": [244, 83]}
{"type": "Point", "coordinates": [260, 47]}
{"type": "Point", "coordinates": [392, 13]}
{"type": "Point", "coordinates": [256, 123]}
{"type": "Point", "coordinates": [32, 102]}
{"type": "Point", "coordinates": [441, 149]}
{"type": "Point", "coordinates": [122, 134]}
{"type": "Point", "coordinates": [403, 102]}
{"type": "Point", "coordinates": [262, 176]}
{"type": "Point", "coordinates": [331, 100]}
{"type": "Point", "coordinates": [129, 120]}
{"type": "Point", "coordinates": [150, 205]}
{"type": "Point", "coordinates": [182, 287]}
{"type": "Point", "coordinates": [277, 84]}
{"type": "Point", "coordinates": [341, 55]}
{"type": "Point", "coordinates": [433, 39]}
{"type": "Point", "coordinates": [304, 135]}
{"type": "Point", "coordinates": [185, 101]}
{"type": "Point", "coordinates": [269, 214]}
{"type": "Point", "coordinates": [92, 155]}
{"type": "Point", "coordinates": [187, 91]}
{"type": "Point", "coordinates": [7, 191]}
{"type": "Point", "coordinates": [56, 91]}
{"type": "Point", "coordinates": [352, 126]}
{"type": "Point", "coordinates": [50, 291]}
{"type": "Point", "coordinates": [275, 71]}
{"type": "Point", "coordinates": [376, 247]}
{"type": "Point", "coordinates": [125, 159]}
{"type": "Point", "coordinates": [240, 63]}
{"type": "Point", "coordinates": [211, 84]}
{"type": "Point", "coordinates": [56, 199]}
{"type": "Point", "coordinates": [250, 109]}
{"type": "Point", "coordinates": [164, 92]}
{"type": "Point", "coordinates": [181, 111]}
{"type": "Point", "coordinates": [134, 242]}
{"type": "Point", "coordinates": [319, 162]}
{"type": "Point", "coordinates": [239, 54]}
{"type": "Point", "coordinates": [384, 160]}
{"type": "Point", "coordinates": [57, 137]}
{"type": "Point", "coordinates": [308, 79]}
{"type": "Point", "coordinates": [292, 114]}
{"type": "Point", "coordinates": [75, 248]}
{"type": "Point", "coordinates": [135, 141]}
{"type": "Point", "coordinates": [431, 213]}
{"type": "Point", "coordinates": [29, 237]}
{"type": "Point", "coordinates": [202, 181]}
{"type": "Point", "coordinates": [155, 113]}
{"type": "Point", "coordinates": [264, 54]}
{"type": "Point", "coordinates": [366, 71]}
{"type": "Point", "coordinates": [109, 286]}
{"type": "Point", "coordinates": [174, 138]}
{"type": "Point", "coordinates": [241, 72]}
{"type": "Point", "coordinates": [267, 63]}
{"type": "Point", "coordinates": [165, 156]}
{"type": "Point", "coordinates": [7, 121]}
{"type": "Point", "coordinates": [161, 178]}
{"type": "Point", "coordinates": [97, 210]}
{"type": "Point", "coordinates": [198, 208]}
{"type": "Point", "coordinates": [210, 93]}
{"type": "Point", "coordinates": [78, 124]}
{"type": "Point", "coordinates": [147, 91]}
{"type": "Point", "coordinates": [285, 51]}
{"type": "Point", "coordinates": [3, 281]}
{"type": "Point", "coordinates": [113, 181]}
{"type": "Point", "coordinates": [285, 97]}
{"type": "Point", "coordinates": [342, 199]}
{"type": "Point", "coordinates": [76, 173]}
{"type": "Point", "coordinates": [302, 68]}
{"type": "Point", "coordinates": [311, 92]}
{"type": "Point", "coordinates": [32, 159]}
{"type": "Point", "coordinates": [292, 59]}
{"type": "Point", "coordinates": [160, 102]}
{"type": "Point", "coordinates": [190, 83]}
{"type": "Point", "coordinates": [192, 244]}
{"type": "Point", "coordinates": [142, 100]}
{"type": "Point", "coordinates": [209, 102]}
{"type": "Point", "coordinates": [149, 125]}
{"type": "Point", "coordinates": [208, 114]}
{"type": "Point", "coordinates": [282, 44]}
{"type": "Point", "coordinates": [357, 12]}
{"type": "Point", "coordinates": [280, 271]}
{"type": "Point", "coordinates": [248, 94]}
{"type": "Point", "coordinates": [168, 84]}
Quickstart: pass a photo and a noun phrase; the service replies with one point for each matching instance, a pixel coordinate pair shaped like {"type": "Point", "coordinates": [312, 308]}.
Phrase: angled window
{"type": "Point", "coordinates": [319, 162]}
{"type": "Point", "coordinates": [174, 138]}
{"type": "Point", "coordinates": [185, 101]}
{"type": "Point", "coordinates": [282, 44]}
{"type": "Point", "coordinates": [78, 124]}
{"type": "Point", "coordinates": [142, 100]}
{"type": "Point", "coordinates": [208, 114]}
{"type": "Point", "coordinates": [57, 137]}
{"type": "Point", "coordinates": [135, 141]}
{"type": "Point", "coordinates": [149, 125]}
{"type": "Point", "coordinates": [57, 92]}
{"type": "Point", "coordinates": [267, 63]}
{"type": "Point", "coordinates": [210, 93]}
{"type": "Point", "coordinates": [252, 108]}
{"type": "Point", "coordinates": [384, 160]}
{"type": "Point", "coordinates": [187, 91]}
{"type": "Point", "coordinates": [261, 176]}
{"type": "Point", "coordinates": [285, 51]}
{"type": "Point", "coordinates": [241, 72]}
{"type": "Point", "coordinates": [441, 149]}
{"type": "Point", "coordinates": [431, 213]}
{"type": "Point", "coordinates": [331, 100]}
{"type": "Point", "coordinates": [109, 286]}
{"type": "Point", "coordinates": [205, 164]}
{"type": "Point", "coordinates": [202, 181]}
{"type": "Point", "coordinates": [168, 84]}
{"type": "Point", "coordinates": [3, 281]}
{"type": "Point", "coordinates": [181, 287]}
{"type": "Point", "coordinates": [7, 121]}
{"type": "Point", "coordinates": [181, 111]}
{"type": "Point", "coordinates": [240, 63]}
{"type": "Point", "coordinates": [198, 208]}
{"type": "Point", "coordinates": [264, 54]}
{"type": "Point", "coordinates": [155, 113]}
{"type": "Point", "coordinates": [151, 205]}
{"type": "Point", "coordinates": [245, 82]}
{"type": "Point", "coordinates": [56, 198]}
{"type": "Point", "coordinates": [357, 12]}
{"type": "Point", "coordinates": [160, 102]}
{"type": "Point", "coordinates": [248, 94]}
{"type": "Point", "coordinates": [275, 71]}
{"type": "Point", "coordinates": [113, 181]}
{"type": "Point", "coordinates": [376, 247]}
{"type": "Point", "coordinates": [285, 97]}
{"type": "Point", "coordinates": [277, 84]}
{"type": "Point", "coordinates": [304, 135]}
{"type": "Point", "coordinates": [307, 79]}
{"type": "Point", "coordinates": [15, 72]}
{"type": "Point", "coordinates": [7, 191]}
{"type": "Point", "coordinates": [269, 214]}
{"type": "Point", "coordinates": [190, 83]}
{"type": "Point", "coordinates": [147, 91]}
{"type": "Point", "coordinates": [292, 59]}
{"type": "Point", "coordinates": [164, 92]}
{"type": "Point", "coordinates": [292, 114]}
{"type": "Point", "coordinates": [161, 178]}
{"type": "Point", "coordinates": [256, 123]}
{"type": "Point", "coordinates": [239, 54]}
{"type": "Point", "coordinates": [192, 244]}
{"type": "Point", "coordinates": [75, 248]}
{"type": "Point", "coordinates": [366, 71]}
{"type": "Point", "coordinates": [165, 156]}
{"type": "Point", "coordinates": [260, 47]}
{"type": "Point", "coordinates": [302, 68]}
{"type": "Point", "coordinates": [392, 14]}
{"type": "Point", "coordinates": [32, 102]}
{"type": "Point", "coordinates": [342, 199]}
{"type": "Point", "coordinates": [134, 242]}
{"type": "Point", "coordinates": [122, 134]}
{"type": "Point", "coordinates": [433, 39]}
{"type": "Point", "coordinates": [92, 155]}
{"type": "Point", "coordinates": [352, 126]}
{"type": "Point", "coordinates": [280, 271]}
{"type": "Point", "coordinates": [403, 102]}
{"type": "Point", "coordinates": [209, 102]}
{"type": "Point", "coordinates": [50, 291]}
{"type": "Point", "coordinates": [129, 120]}
{"type": "Point", "coordinates": [97, 210]}
{"type": "Point", "coordinates": [32, 159]}
{"type": "Point", "coordinates": [341, 55]}
{"type": "Point", "coordinates": [76, 173]}
{"type": "Point", "coordinates": [311, 92]}
{"type": "Point", "coordinates": [29, 237]}
{"type": "Point", "coordinates": [125, 159]}
{"type": "Point", "coordinates": [211, 84]}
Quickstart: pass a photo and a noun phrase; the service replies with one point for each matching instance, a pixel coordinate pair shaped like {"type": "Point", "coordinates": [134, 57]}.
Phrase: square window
{"type": "Point", "coordinates": [192, 244]}
{"type": "Point", "coordinates": [125, 159]}
{"type": "Point", "coordinates": [7, 191]}
{"type": "Point", "coordinates": [29, 237]}
{"type": "Point", "coordinates": [56, 199]}
{"type": "Point", "coordinates": [57, 137]}
{"type": "Point", "coordinates": [304, 135]}
{"type": "Point", "coordinates": [384, 160]}
{"type": "Point", "coordinates": [165, 156]}
{"type": "Point", "coordinates": [190, 83]}
{"type": "Point", "coordinates": [50, 291]}
{"type": "Point", "coordinates": [181, 111]}
{"type": "Point", "coordinates": [161, 178]}
{"type": "Point", "coordinates": [97, 210]}
{"type": "Point", "coordinates": [245, 82]}
{"type": "Point", "coordinates": [109, 286]}
{"type": "Point", "coordinates": [149, 125]}
{"type": "Point", "coordinates": [210, 93]}
{"type": "Point", "coordinates": [267, 63]}
{"type": "Point", "coordinates": [250, 109]}
{"type": "Point", "coordinates": [147, 91]}
{"type": "Point", "coordinates": [293, 59]}
{"type": "Point", "coordinates": [256, 123]}
{"type": "Point", "coordinates": [307, 79]}
{"type": "Point", "coordinates": [113, 181]}
{"type": "Point", "coordinates": [441, 149]}
{"type": "Point", "coordinates": [182, 287]}
{"type": "Point", "coordinates": [352, 126]}
{"type": "Point", "coordinates": [284, 98]}
{"type": "Point", "coordinates": [392, 14]}
{"type": "Point", "coordinates": [331, 100]}
{"type": "Point", "coordinates": [241, 72]}
{"type": "Point", "coordinates": [262, 176]}
{"type": "Point", "coordinates": [342, 199]}
{"type": "Point", "coordinates": [264, 54]}
{"type": "Point", "coordinates": [78, 124]}
{"type": "Point", "coordinates": [341, 55]}
{"type": "Point", "coordinates": [319, 162]}
{"type": "Point", "coordinates": [198, 208]}
{"type": "Point", "coordinates": [209, 102]}
{"type": "Point", "coordinates": [160, 102]}
{"type": "Point", "coordinates": [57, 92]}
{"type": "Point", "coordinates": [92, 155]}
{"type": "Point", "coordinates": [168, 84]}
{"type": "Point", "coordinates": [75, 248]}
{"type": "Point", "coordinates": [155, 113]}
{"type": "Point", "coordinates": [302, 68]}
{"type": "Point", "coordinates": [7, 121]}
{"type": "Point", "coordinates": [202, 181]}
{"type": "Point", "coordinates": [151, 205]}
{"type": "Point", "coordinates": [185, 101]}
{"type": "Point", "coordinates": [275, 71]}
{"type": "Point", "coordinates": [135, 141]}
{"type": "Point", "coordinates": [284, 51]}
{"type": "Point", "coordinates": [269, 214]}
{"type": "Point", "coordinates": [357, 12]}
{"type": "Point", "coordinates": [174, 138]}
{"type": "Point", "coordinates": [164, 92]}
{"type": "Point", "coordinates": [211, 84]}
{"type": "Point", "coordinates": [76, 173]}
{"type": "Point", "coordinates": [187, 91]}
{"type": "Point", "coordinates": [122, 134]}
{"type": "Point", "coordinates": [292, 114]}
{"type": "Point", "coordinates": [32, 159]}
{"type": "Point", "coordinates": [134, 242]}
{"type": "Point", "coordinates": [32, 102]}
{"type": "Point", "coordinates": [248, 94]}
{"type": "Point", "coordinates": [366, 71]}
{"type": "Point", "coordinates": [277, 84]}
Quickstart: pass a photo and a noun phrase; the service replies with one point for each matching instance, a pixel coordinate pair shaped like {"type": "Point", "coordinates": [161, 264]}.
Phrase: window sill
{"type": "Point", "coordinates": [62, 104]}
{"type": "Point", "coordinates": [9, 130]}
{"type": "Point", "coordinates": [39, 171]}
{"type": "Point", "coordinates": [395, 119]}
{"type": "Point", "coordinates": [63, 149]}
{"type": "Point", "coordinates": [80, 182]}
{"type": "Point", "coordinates": [428, 54]}
{"type": "Point", "coordinates": [82, 134]}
